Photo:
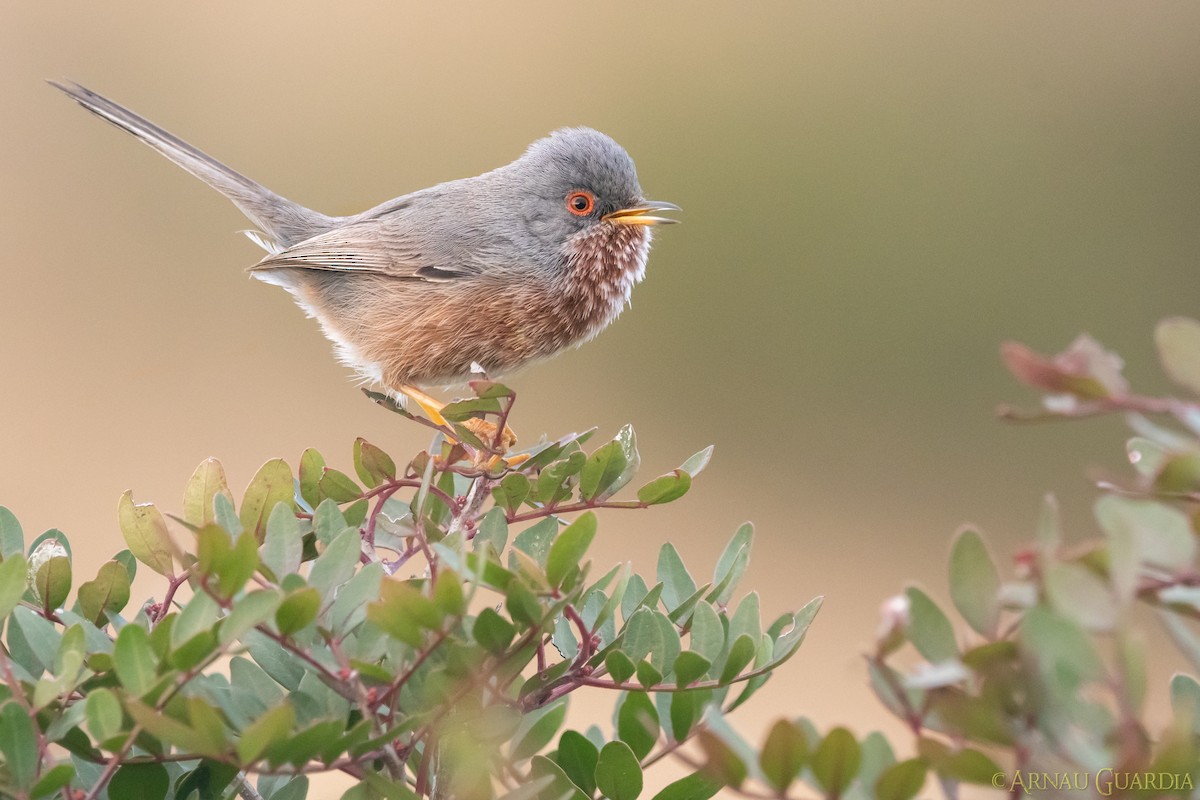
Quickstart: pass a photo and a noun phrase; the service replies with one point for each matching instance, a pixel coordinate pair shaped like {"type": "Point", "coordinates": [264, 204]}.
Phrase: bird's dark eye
{"type": "Point", "coordinates": [581, 203]}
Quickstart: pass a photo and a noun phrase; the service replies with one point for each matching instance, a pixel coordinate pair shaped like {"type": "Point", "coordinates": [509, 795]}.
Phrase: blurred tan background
{"type": "Point", "coordinates": [876, 195]}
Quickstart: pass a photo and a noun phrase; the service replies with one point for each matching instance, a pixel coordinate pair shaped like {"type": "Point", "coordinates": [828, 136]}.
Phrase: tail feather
{"type": "Point", "coordinates": [285, 223]}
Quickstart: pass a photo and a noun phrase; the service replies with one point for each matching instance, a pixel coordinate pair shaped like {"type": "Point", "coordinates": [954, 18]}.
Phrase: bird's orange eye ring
{"type": "Point", "coordinates": [581, 203]}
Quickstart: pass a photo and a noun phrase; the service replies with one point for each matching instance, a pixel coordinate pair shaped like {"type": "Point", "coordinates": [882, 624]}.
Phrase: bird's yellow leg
{"type": "Point", "coordinates": [486, 431]}
{"type": "Point", "coordinates": [429, 404]}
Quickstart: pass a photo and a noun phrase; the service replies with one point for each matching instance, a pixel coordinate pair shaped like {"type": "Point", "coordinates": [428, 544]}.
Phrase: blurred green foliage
{"type": "Point", "coordinates": [420, 627]}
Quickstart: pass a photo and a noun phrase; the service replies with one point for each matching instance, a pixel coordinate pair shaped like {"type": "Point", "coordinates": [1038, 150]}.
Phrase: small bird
{"type": "Point", "coordinates": [485, 273]}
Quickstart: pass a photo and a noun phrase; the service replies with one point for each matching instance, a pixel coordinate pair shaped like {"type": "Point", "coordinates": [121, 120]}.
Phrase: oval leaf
{"type": "Point", "coordinates": [145, 533]}
{"type": "Point", "coordinates": [618, 773]}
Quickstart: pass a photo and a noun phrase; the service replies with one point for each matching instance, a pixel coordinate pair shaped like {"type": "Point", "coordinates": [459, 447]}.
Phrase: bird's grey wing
{"type": "Point", "coordinates": [370, 246]}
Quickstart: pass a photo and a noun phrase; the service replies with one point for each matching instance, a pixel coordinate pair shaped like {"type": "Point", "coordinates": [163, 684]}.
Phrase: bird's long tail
{"type": "Point", "coordinates": [284, 222]}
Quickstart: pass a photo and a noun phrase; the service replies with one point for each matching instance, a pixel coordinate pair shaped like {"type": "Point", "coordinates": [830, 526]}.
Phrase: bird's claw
{"type": "Point", "coordinates": [487, 432]}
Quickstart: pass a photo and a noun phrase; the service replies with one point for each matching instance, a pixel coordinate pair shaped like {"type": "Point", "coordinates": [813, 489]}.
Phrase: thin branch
{"type": "Point", "coordinates": [1104, 405]}
{"type": "Point", "coordinates": [570, 508]}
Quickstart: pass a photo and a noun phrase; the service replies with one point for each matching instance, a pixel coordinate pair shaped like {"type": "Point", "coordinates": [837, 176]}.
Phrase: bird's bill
{"type": "Point", "coordinates": [642, 214]}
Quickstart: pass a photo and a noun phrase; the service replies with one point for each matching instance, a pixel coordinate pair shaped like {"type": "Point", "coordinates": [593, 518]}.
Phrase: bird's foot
{"type": "Point", "coordinates": [489, 433]}
{"type": "Point", "coordinates": [427, 402]}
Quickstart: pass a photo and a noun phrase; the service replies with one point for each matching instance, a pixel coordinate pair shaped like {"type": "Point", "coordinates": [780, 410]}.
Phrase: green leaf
{"type": "Point", "coordinates": [968, 766]}
{"type": "Point", "coordinates": [145, 533]}
{"type": "Point", "coordinates": [33, 640]}
{"type": "Point", "coordinates": [511, 492]}
{"type": "Point", "coordinates": [336, 564]}
{"type": "Point", "coordinates": [788, 641]}
{"type": "Point", "coordinates": [974, 582]}
{"type": "Point", "coordinates": [108, 592]}
{"type": "Point", "coordinates": [618, 773]}
{"type": "Point", "coordinates": [144, 781]}
{"type": "Point", "coordinates": [307, 744]}
{"type": "Point", "coordinates": [694, 465]}
{"type": "Point", "coordinates": [569, 547]}
{"type": "Point", "coordinates": [619, 666]}
{"type": "Point", "coordinates": [902, 780]}
{"type": "Point", "coordinates": [398, 609]}
{"type": "Point", "coordinates": [1178, 474]}
{"type": "Point", "coordinates": [48, 543]}
{"type": "Point", "coordinates": [53, 780]}
{"type": "Point", "coordinates": [537, 730]}
{"type": "Point", "coordinates": [633, 460]}
{"type": "Point", "coordinates": [731, 565]}
{"type": "Point", "coordinates": [783, 754]}
{"type": "Point", "coordinates": [635, 594]}
{"type": "Point", "coordinates": [104, 715]}
{"type": "Point", "coordinates": [338, 486]}
{"type": "Point", "coordinates": [836, 760]}
{"type": "Point", "coordinates": [206, 482]}
{"type": "Point", "coordinates": [271, 485]}
{"type": "Point", "coordinates": [199, 615]}
{"type": "Point", "coordinates": [1178, 340]}
{"type": "Point", "coordinates": [577, 757]}
{"type": "Point", "coordinates": [648, 675]}
{"type": "Point", "coordinates": [297, 611]}
{"type": "Point", "coordinates": [746, 620]}
{"type": "Point", "coordinates": [690, 667]}
{"type": "Point", "coordinates": [554, 781]}
{"type": "Point", "coordinates": [544, 453]}
{"type": "Point", "coordinates": [373, 466]}
{"type": "Point", "coordinates": [523, 605]}
{"type": "Point", "coordinates": [686, 710]}
{"type": "Point", "coordinates": [134, 660]}
{"type": "Point", "coordinates": [283, 544]}
{"type": "Point", "coordinates": [268, 729]}
{"type": "Point", "coordinates": [1062, 653]}
{"type": "Point", "coordinates": [664, 657]}
{"type": "Point", "coordinates": [227, 518]}
{"type": "Point", "coordinates": [665, 488]}
{"type": "Point", "coordinates": [697, 786]}
{"type": "Point", "coordinates": [1185, 700]}
{"type": "Point", "coordinates": [12, 538]}
{"type": "Point", "coordinates": [536, 540]}
{"type": "Point", "coordinates": [207, 725]}
{"type": "Point", "coordinates": [678, 585]}
{"type": "Point", "coordinates": [164, 726]}
{"type": "Point", "coordinates": [52, 582]}
{"type": "Point", "coordinates": [642, 635]}
{"type": "Point", "coordinates": [604, 617]}
{"type": "Point", "coordinates": [13, 577]}
{"type": "Point", "coordinates": [601, 470]}
{"type": "Point", "coordinates": [707, 634]}
{"type": "Point", "coordinates": [493, 631]}
{"type": "Point", "coordinates": [312, 466]}
{"type": "Point", "coordinates": [929, 629]}
{"type": "Point", "coordinates": [741, 653]}
{"type": "Point", "coordinates": [1162, 535]}
{"type": "Point", "coordinates": [462, 410]}
{"type": "Point", "coordinates": [721, 761]}
{"type": "Point", "coordinates": [1080, 594]}
{"type": "Point", "coordinates": [637, 723]}
{"type": "Point", "coordinates": [18, 745]}
{"type": "Point", "coordinates": [249, 611]}
{"type": "Point", "coordinates": [493, 530]}
{"type": "Point", "coordinates": [448, 593]}
{"type": "Point", "coordinates": [553, 484]}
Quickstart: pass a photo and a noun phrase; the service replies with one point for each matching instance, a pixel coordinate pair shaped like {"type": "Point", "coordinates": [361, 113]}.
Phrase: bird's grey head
{"type": "Point", "coordinates": [584, 167]}
{"type": "Point", "coordinates": [578, 182]}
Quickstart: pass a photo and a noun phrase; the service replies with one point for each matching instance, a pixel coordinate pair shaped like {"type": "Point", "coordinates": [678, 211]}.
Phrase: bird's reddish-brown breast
{"type": "Point", "coordinates": [436, 331]}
